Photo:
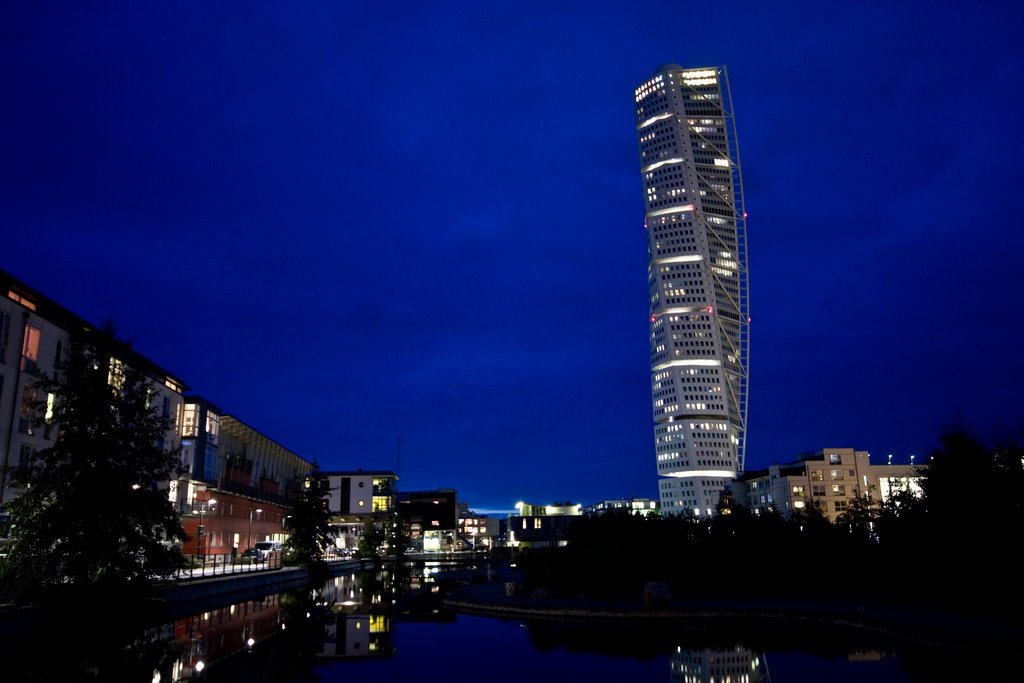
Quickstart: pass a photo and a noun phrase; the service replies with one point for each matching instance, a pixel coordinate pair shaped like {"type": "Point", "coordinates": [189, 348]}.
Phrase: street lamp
{"type": "Point", "coordinates": [202, 530]}
{"type": "Point", "coordinates": [251, 510]}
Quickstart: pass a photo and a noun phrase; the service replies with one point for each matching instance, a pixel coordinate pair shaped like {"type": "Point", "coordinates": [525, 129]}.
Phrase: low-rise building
{"type": "Point", "coordinates": [640, 506]}
{"type": "Point", "coordinates": [828, 479]}
{"type": "Point", "coordinates": [541, 526]}
{"type": "Point", "coordinates": [36, 336]}
{"type": "Point", "coordinates": [429, 520]}
{"type": "Point", "coordinates": [477, 531]}
{"type": "Point", "coordinates": [238, 484]}
{"type": "Point", "coordinates": [359, 498]}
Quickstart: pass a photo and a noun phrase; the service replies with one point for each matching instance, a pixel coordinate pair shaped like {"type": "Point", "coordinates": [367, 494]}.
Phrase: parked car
{"type": "Point", "coordinates": [267, 547]}
{"type": "Point", "coordinates": [255, 554]}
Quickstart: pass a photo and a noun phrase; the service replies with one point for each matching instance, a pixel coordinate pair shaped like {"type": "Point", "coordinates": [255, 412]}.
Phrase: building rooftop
{"type": "Point", "coordinates": [358, 473]}
{"type": "Point", "coordinates": [78, 327]}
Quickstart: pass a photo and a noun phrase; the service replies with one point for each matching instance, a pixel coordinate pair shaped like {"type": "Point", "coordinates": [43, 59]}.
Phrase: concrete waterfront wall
{"type": "Point", "coordinates": [191, 596]}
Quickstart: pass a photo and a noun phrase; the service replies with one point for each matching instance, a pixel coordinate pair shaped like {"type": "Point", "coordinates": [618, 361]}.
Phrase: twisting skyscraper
{"type": "Point", "coordinates": [697, 271]}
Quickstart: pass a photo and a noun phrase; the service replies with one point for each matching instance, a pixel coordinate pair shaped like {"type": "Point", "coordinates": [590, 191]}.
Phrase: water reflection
{"type": "Point", "coordinates": [210, 636]}
{"type": "Point", "coordinates": [385, 624]}
{"type": "Point", "coordinates": [358, 615]}
{"type": "Point", "coordinates": [348, 616]}
{"type": "Point", "coordinates": [732, 665]}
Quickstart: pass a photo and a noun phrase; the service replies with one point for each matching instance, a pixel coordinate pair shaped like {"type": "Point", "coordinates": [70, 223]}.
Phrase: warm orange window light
{"type": "Point", "coordinates": [30, 347]}
{"type": "Point", "coordinates": [14, 296]}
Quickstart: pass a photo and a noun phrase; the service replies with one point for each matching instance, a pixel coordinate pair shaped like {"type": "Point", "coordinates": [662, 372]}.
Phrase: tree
{"type": "Point", "coordinates": [94, 513]}
{"type": "Point", "coordinates": [309, 523]}
{"type": "Point", "coordinates": [860, 517]}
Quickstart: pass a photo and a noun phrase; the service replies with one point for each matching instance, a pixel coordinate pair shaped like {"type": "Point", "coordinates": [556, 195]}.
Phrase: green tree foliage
{"type": "Point", "coordinates": [309, 524]}
{"type": "Point", "coordinates": [95, 513]}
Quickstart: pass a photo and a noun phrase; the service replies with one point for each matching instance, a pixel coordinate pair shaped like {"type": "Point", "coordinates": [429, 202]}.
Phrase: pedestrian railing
{"type": "Point", "coordinates": [227, 563]}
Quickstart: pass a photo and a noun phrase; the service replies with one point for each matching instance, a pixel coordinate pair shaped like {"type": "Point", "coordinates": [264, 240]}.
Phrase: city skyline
{"type": "Point", "coordinates": [698, 280]}
{"type": "Point", "coordinates": [347, 225]}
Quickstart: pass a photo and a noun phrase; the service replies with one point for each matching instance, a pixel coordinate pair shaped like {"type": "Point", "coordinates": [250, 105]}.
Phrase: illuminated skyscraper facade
{"type": "Point", "coordinates": [697, 273]}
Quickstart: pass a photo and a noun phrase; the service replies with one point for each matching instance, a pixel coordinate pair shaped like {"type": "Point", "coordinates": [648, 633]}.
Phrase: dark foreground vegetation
{"type": "Point", "coordinates": [952, 549]}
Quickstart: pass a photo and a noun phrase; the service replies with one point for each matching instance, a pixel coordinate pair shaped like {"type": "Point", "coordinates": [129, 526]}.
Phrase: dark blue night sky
{"type": "Point", "coordinates": [350, 222]}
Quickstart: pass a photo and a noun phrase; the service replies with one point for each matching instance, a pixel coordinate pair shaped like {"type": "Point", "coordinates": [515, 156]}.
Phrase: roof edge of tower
{"type": "Point", "coordinates": [671, 66]}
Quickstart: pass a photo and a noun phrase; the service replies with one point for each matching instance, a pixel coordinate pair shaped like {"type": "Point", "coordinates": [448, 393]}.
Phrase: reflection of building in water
{"type": "Point", "coordinates": [866, 656]}
{"type": "Point", "coordinates": [359, 619]}
{"type": "Point", "coordinates": [357, 635]}
{"type": "Point", "coordinates": [210, 636]}
{"type": "Point", "coordinates": [735, 665]}
{"type": "Point", "coordinates": [421, 597]}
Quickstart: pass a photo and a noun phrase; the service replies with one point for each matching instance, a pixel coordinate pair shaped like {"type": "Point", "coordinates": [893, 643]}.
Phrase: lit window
{"type": "Point", "coordinates": [30, 348]}
{"type": "Point", "coordinates": [212, 427]}
{"type": "Point", "coordinates": [14, 296]}
{"type": "Point", "coordinates": [115, 376]}
{"type": "Point", "coordinates": [191, 423]}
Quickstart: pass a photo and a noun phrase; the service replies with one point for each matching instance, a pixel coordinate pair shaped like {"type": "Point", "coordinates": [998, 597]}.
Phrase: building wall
{"type": "Point", "coordinates": [696, 228]}
{"type": "Point", "coordinates": [642, 506]}
{"type": "Point", "coordinates": [37, 335]}
{"type": "Point", "coordinates": [225, 518]}
{"type": "Point", "coordinates": [251, 478]}
{"type": "Point", "coordinates": [28, 343]}
{"type": "Point", "coordinates": [479, 531]}
{"type": "Point", "coordinates": [829, 479]}
{"type": "Point", "coordinates": [429, 519]}
{"type": "Point", "coordinates": [541, 526]}
{"type": "Point", "coordinates": [238, 484]}
{"type": "Point", "coordinates": [351, 495]}
{"type": "Point", "coordinates": [358, 498]}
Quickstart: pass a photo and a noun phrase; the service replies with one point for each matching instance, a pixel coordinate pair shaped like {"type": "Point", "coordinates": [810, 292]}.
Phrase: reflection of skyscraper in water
{"type": "Point", "coordinates": [735, 665]}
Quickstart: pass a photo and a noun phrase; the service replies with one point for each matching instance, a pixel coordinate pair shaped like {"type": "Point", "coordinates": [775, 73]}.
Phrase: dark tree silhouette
{"type": "Point", "coordinates": [309, 523]}
{"type": "Point", "coordinates": [95, 513]}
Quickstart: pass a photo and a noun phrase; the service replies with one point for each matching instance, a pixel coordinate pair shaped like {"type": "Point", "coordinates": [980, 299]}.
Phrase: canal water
{"type": "Point", "coordinates": [379, 626]}
{"type": "Point", "coordinates": [374, 626]}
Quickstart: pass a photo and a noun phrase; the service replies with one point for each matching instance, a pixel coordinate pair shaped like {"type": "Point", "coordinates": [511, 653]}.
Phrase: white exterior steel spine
{"type": "Point", "coordinates": [697, 273]}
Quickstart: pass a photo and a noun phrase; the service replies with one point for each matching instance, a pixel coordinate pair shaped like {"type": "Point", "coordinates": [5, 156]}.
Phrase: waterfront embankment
{"type": "Point", "coordinates": [191, 595]}
{"type": "Point", "coordinates": [852, 618]}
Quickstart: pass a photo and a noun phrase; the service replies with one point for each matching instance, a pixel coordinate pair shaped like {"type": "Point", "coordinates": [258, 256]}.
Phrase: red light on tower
{"type": "Point", "coordinates": [711, 310]}
{"type": "Point", "coordinates": [744, 215]}
{"type": "Point", "coordinates": [654, 317]}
